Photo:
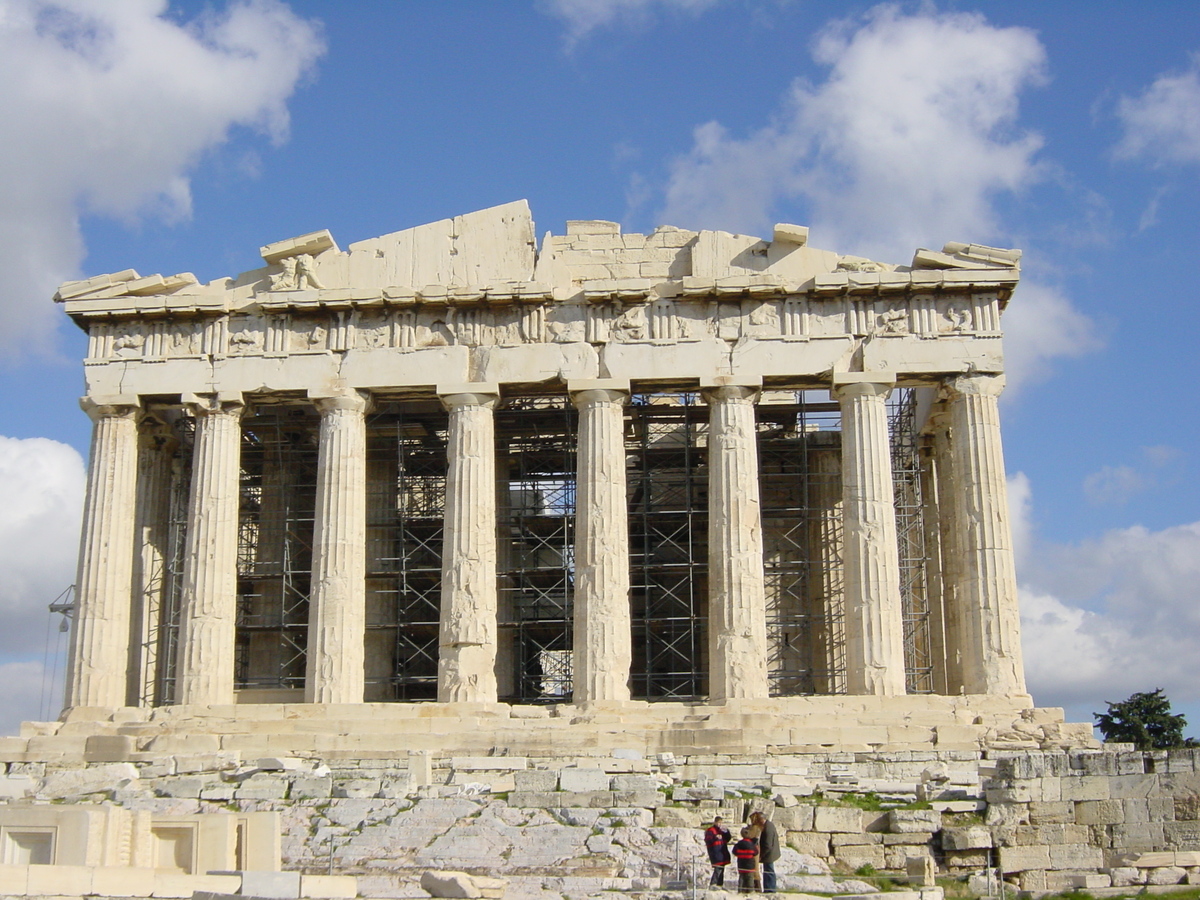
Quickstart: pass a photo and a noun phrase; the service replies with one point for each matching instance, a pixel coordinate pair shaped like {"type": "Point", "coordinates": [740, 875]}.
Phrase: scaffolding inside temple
{"type": "Point", "coordinates": [666, 433]}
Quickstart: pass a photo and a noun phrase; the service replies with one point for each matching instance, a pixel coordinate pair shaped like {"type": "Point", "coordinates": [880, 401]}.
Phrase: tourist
{"type": "Point", "coordinates": [716, 839]}
{"type": "Point", "coordinates": [746, 851]}
{"type": "Point", "coordinates": [768, 849]}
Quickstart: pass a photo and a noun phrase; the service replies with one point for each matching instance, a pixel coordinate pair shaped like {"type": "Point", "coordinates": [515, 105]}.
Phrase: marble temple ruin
{"type": "Point", "coordinates": [461, 549]}
{"type": "Point", "coordinates": [445, 465]}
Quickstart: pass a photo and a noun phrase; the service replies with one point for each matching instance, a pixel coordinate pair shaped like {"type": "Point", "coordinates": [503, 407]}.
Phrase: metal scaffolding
{"type": "Point", "coordinates": [903, 428]}
{"type": "Point", "coordinates": [535, 475]}
{"type": "Point", "coordinates": [667, 447]}
{"type": "Point", "coordinates": [799, 448]}
{"type": "Point", "coordinates": [406, 502]}
{"type": "Point", "coordinates": [275, 537]}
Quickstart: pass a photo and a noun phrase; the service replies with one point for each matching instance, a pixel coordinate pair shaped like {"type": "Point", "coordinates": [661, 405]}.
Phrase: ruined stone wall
{"type": "Point", "coordinates": [1048, 819]}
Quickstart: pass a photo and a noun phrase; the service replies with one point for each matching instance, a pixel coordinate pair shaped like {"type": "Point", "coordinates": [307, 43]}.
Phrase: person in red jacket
{"type": "Point", "coordinates": [716, 839]}
{"type": "Point", "coordinates": [746, 853]}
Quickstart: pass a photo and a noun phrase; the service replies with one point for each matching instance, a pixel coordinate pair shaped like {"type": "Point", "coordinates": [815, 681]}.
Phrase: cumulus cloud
{"type": "Point", "coordinates": [582, 17]}
{"type": "Point", "coordinates": [1040, 325]}
{"type": "Point", "coordinates": [1162, 124]}
{"type": "Point", "coordinates": [107, 108]}
{"type": "Point", "coordinates": [42, 483]}
{"type": "Point", "coordinates": [908, 141]}
{"type": "Point", "coordinates": [1106, 617]}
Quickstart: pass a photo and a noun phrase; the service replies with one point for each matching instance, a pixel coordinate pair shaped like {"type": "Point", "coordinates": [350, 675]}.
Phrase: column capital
{"type": "Point", "coordinates": [585, 391]}
{"type": "Point", "coordinates": [862, 384]}
{"type": "Point", "coordinates": [978, 385]}
{"type": "Point", "coordinates": [222, 403]}
{"type": "Point", "coordinates": [722, 393]}
{"type": "Point", "coordinates": [106, 405]}
{"type": "Point", "coordinates": [349, 401]}
{"type": "Point", "coordinates": [470, 393]}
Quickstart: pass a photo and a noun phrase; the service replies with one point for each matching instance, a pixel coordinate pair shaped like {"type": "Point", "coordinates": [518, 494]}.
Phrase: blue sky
{"type": "Point", "coordinates": [183, 137]}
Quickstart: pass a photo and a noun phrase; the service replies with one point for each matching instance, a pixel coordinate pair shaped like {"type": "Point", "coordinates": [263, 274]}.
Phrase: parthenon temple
{"type": "Point", "coordinates": [457, 471]}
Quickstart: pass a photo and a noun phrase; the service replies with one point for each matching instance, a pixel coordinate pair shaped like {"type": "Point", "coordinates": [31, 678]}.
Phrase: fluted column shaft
{"type": "Point", "coordinates": [336, 663]}
{"type": "Point", "coordinates": [931, 534]}
{"type": "Point", "coordinates": [991, 629]}
{"type": "Point", "coordinates": [99, 654]}
{"type": "Point", "coordinates": [737, 603]}
{"type": "Point", "coordinates": [603, 632]}
{"type": "Point", "coordinates": [949, 514]}
{"type": "Point", "coordinates": [157, 448]}
{"type": "Point", "coordinates": [467, 630]}
{"type": "Point", "coordinates": [209, 602]}
{"type": "Point", "coordinates": [874, 617]}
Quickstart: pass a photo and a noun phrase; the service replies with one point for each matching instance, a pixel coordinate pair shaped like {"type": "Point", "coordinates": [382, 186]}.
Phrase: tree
{"type": "Point", "coordinates": [1145, 719]}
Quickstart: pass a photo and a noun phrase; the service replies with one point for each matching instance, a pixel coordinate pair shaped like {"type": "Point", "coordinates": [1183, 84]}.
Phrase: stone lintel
{"type": "Point", "coordinates": [576, 385]}
{"type": "Point", "coordinates": [841, 378]}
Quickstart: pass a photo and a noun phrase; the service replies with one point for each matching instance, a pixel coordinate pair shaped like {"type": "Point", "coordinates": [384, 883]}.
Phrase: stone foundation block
{"type": "Point", "coordinates": [809, 842]}
{"type": "Point", "coordinates": [632, 782]}
{"type": "Point", "coordinates": [1100, 812]}
{"type": "Point", "coordinates": [698, 793]}
{"type": "Point", "coordinates": [1075, 856]}
{"type": "Point", "coordinates": [681, 817]}
{"type": "Point", "coordinates": [313, 787]}
{"type": "Point", "coordinates": [536, 799]}
{"type": "Point", "coordinates": [1166, 875]}
{"type": "Point", "coordinates": [862, 855]}
{"type": "Point", "coordinates": [1051, 813]}
{"type": "Point", "coordinates": [457, 885]}
{"type": "Point", "coordinates": [328, 887]}
{"type": "Point", "coordinates": [795, 818]}
{"type": "Point", "coordinates": [581, 780]}
{"type": "Point", "coordinates": [650, 799]}
{"type": "Point", "coordinates": [1122, 787]}
{"type": "Point", "coordinates": [852, 840]}
{"type": "Point", "coordinates": [967, 859]}
{"type": "Point", "coordinates": [1187, 807]}
{"type": "Point", "coordinates": [1126, 876]}
{"type": "Point", "coordinates": [910, 821]}
{"type": "Point", "coordinates": [268, 787]}
{"type": "Point", "coordinates": [1032, 881]}
{"type": "Point", "coordinates": [838, 819]}
{"type": "Point", "coordinates": [1184, 835]}
{"type": "Point", "coordinates": [1138, 837]}
{"type": "Point", "coordinates": [896, 858]}
{"type": "Point", "coordinates": [921, 871]}
{"type": "Point", "coordinates": [1021, 859]}
{"type": "Point", "coordinates": [1086, 787]}
{"type": "Point", "coordinates": [536, 780]}
{"type": "Point", "coordinates": [104, 748]}
{"type": "Point", "coordinates": [906, 840]}
{"type": "Point", "coordinates": [275, 885]}
{"type": "Point", "coordinates": [970, 838]}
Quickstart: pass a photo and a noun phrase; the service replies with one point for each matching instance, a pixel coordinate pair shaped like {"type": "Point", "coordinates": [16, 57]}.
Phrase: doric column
{"type": "Point", "coordinates": [336, 663]}
{"type": "Point", "coordinates": [987, 587]}
{"type": "Point", "coordinates": [824, 600]}
{"type": "Point", "coordinates": [99, 654]}
{"type": "Point", "coordinates": [467, 630]}
{"type": "Point", "coordinates": [874, 617]}
{"type": "Point", "coordinates": [931, 520]}
{"type": "Point", "coordinates": [209, 602]}
{"type": "Point", "coordinates": [737, 604]}
{"type": "Point", "coordinates": [157, 446]}
{"type": "Point", "coordinates": [603, 637]}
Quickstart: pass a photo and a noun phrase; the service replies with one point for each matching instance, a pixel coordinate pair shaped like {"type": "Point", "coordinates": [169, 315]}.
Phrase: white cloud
{"type": "Point", "coordinates": [1104, 618]}
{"type": "Point", "coordinates": [107, 107]}
{"type": "Point", "coordinates": [906, 143]}
{"type": "Point", "coordinates": [582, 17]}
{"type": "Point", "coordinates": [1162, 125]}
{"type": "Point", "coordinates": [909, 142]}
{"type": "Point", "coordinates": [42, 483]}
{"type": "Point", "coordinates": [1040, 325]}
{"type": "Point", "coordinates": [1113, 485]}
